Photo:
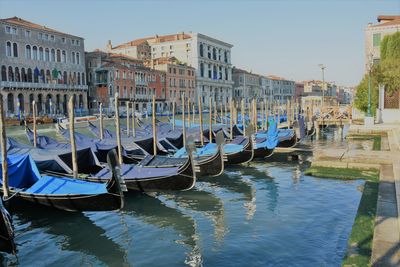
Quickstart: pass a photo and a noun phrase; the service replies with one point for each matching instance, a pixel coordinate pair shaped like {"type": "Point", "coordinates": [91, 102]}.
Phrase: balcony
{"type": "Point", "coordinates": [28, 85]}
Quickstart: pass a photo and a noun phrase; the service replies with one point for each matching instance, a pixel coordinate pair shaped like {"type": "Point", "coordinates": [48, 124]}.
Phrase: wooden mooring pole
{"type": "Point", "coordinates": [71, 118]}
{"type": "Point", "coordinates": [4, 163]}
{"type": "Point", "coordinates": [118, 129]}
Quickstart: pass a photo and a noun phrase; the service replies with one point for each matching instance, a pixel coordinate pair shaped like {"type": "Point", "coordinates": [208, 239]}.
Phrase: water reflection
{"type": "Point", "coordinates": [234, 182]}
{"type": "Point", "coordinates": [207, 204]}
{"type": "Point", "coordinates": [152, 210]}
{"type": "Point", "coordinates": [80, 233]}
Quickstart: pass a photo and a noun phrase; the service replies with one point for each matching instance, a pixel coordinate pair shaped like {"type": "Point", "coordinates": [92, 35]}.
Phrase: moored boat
{"type": "Point", "coordinates": [63, 193]}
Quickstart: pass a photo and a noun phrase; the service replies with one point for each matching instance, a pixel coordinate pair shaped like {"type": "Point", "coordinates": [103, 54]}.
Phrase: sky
{"type": "Point", "coordinates": [287, 38]}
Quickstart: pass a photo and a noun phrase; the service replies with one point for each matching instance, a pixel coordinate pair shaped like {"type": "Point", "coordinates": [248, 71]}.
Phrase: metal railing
{"type": "Point", "coordinates": [4, 84]}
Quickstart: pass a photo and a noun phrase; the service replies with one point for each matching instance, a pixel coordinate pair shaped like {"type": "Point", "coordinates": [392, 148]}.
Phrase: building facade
{"type": "Point", "coordinates": [41, 64]}
{"type": "Point", "coordinates": [180, 78]}
{"type": "Point", "coordinates": [210, 57]}
{"type": "Point", "coordinates": [374, 34]}
{"type": "Point", "coordinates": [283, 90]}
{"type": "Point", "coordinates": [115, 73]}
{"type": "Point", "coordinates": [246, 85]}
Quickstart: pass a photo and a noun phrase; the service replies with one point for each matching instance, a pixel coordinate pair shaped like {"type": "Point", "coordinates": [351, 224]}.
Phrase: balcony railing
{"type": "Point", "coordinates": [42, 86]}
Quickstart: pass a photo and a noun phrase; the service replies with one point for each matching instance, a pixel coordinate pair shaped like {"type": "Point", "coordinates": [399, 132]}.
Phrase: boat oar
{"type": "Point", "coordinates": [4, 164]}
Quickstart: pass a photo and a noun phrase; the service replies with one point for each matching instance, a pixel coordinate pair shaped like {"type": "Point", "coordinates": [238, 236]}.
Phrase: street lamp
{"type": "Point", "coordinates": [322, 66]}
{"type": "Point", "coordinates": [369, 85]}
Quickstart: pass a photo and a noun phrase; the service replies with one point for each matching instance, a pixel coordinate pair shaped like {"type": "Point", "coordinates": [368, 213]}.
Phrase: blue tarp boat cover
{"type": "Point", "coordinates": [268, 139]}
{"type": "Point", "coordinates": [22, 171]}
{"type": "Point", "coordinates": [131, 172]}
{"type": "Point", "coordinates": [66, 186]}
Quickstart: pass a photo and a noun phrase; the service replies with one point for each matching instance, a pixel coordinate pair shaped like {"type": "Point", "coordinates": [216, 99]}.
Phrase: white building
{"type": "Point", "coordinates": [374, 34]}
{"type": "Point", "coordinates": [210, 57]}
{"type": "Point", "coordinates": [281, 89]}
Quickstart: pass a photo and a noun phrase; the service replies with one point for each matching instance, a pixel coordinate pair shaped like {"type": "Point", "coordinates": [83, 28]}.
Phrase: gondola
{"type": "Point", "coordinates": [209, 158]}
{"type": "Point", "coordinates": [287, 138]}
{"type": "Point", "coordinates": [6, 231]}
{"type": "Point", "coordinates": [171, 175]}
{"type": "Point", "coordinates": [26, 184]}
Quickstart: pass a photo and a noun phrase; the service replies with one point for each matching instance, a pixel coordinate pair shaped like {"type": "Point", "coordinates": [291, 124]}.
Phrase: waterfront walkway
{"type": "Point", "coordinates": [386, 241]}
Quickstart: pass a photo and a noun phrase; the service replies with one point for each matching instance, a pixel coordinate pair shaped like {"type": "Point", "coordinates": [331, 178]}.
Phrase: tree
{"type": "Point", "coordinates": [361, 97]}
{"type": "Point", "coordinates": [387, 72]}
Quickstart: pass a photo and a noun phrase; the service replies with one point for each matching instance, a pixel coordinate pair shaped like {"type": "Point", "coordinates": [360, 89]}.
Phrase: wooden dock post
{"type": "Point", "coordinates": [266, 115]}
{"type": "Point", "coordinates": [183, 120]}
{"type": "Point", "coordinates": [243, 119]}
{"type": "Point", "coordinates": [173, 115]}
{"type": "Point", "coordinates": [127, 119]}
{"type": "Point", "coordinates": [133, 120]}
{"type": "Point", "coordinates": [71, 119]}
{"type": "Point", "coordinates": [101, 122]}
{"type": "Point", "coordinates": [188, 111]}
{"type": "Point", "coordinates": [210, 133]}
{"type": "Point", "coordinates": [230, 118]}
{"type": "Point", "coordinates": [317, 129]}
{"type": "Point", "coordinates": [118, 129]}
{"type": "Point", "coordinates": [4, 163]}
{"type": "Point", "coordinates": [201, 122]}
{"type": "Point", "coordinates": [34, 123]}
{"type": "Point", "coordinates": [153, 112]}
{"type": "Point", "coordinates": [215, 111]}
{"type": "Point", "coordinates": [193, 114]}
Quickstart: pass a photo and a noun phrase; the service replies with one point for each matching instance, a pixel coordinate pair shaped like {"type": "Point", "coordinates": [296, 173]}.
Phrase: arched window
{"type": "Point", "coordinates": [58, 55]}
{"type": "Point", "coordinates": [31, 98]}
{"type": "Point", "coordinates": [47, 54]}
{"type": "Point", "coordinates": [65, 77]}
{"type": "Point", "coordinates": [226, 56]}
{"type": "Point", "coordinates": [74, 78]}
{"type": "Point", "coordinates": [10, 103]}
{"type": "Point", "coordinates": [34, 53]}
{"type": "Point", "coordinates": [8, 49]}
{"type": "Point", "coordinates": [3, 73]}
{"type": "Point", "coordinates": [90, 77]}
{"type": "Point", "coordinates": [28, 54]}
{"type": "Point", "coordinates": [10, 74]}
{"type": "Point", "coordinates": [214, 54]}
{"type": "Point", "coordinates": [21, 102]}
{"type": "Point", "coordinates": [15, 49]}
{"type": "Point", "coordinates": [77, 58]}
{"type": "Point", "coordinates": [83, 78]}
{"type": "Point", "coordinates": [36, 74]}
{"type": "Point", "coordinates": [201, 50]}
{"type": "Point", "coordinates": [73, 57]}
{"type": "Point", "coordinates": [48, 76]}
{"type": "Point", "coordinates": [42, 76]}
{"type": "Point", "coordinates": [41, 55]}
{"type": "Point", "coordinates": [53, 55]}
{"type": "Point", "coordinates": [201, 69]}
{"type": "Point", "coordinates": [64, 56]}
{"type": "Point", "coordinates": [29, 75]}
{"type": "Point", "coordinates": [110, 91]}
{"type": "Point", "coordinates": [17, 75]}
{"type": "Point", "coordinates": [23, 75]}
{"type": "Point", "coordinates": [79, 78]}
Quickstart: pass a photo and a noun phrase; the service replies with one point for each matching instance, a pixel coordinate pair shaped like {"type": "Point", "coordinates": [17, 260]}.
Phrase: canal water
{"type": "Point", "coordinates": [267, 213]}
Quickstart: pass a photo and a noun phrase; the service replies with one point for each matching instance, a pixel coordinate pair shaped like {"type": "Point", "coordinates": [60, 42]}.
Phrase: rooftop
{"type": "Point", "coordinates": [384, 21]}
{"type": "Point", "coordinates": [27, 24]}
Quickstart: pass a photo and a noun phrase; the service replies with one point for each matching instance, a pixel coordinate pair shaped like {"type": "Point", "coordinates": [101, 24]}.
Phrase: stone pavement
{"type": "Point", "coordinates": [386, 242]}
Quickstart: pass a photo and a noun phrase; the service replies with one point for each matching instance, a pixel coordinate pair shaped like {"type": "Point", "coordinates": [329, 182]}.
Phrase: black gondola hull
{"type": "Point", "coordinates": [288, 143]}
{"type": "Point", "coordinates": [244, 156]}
